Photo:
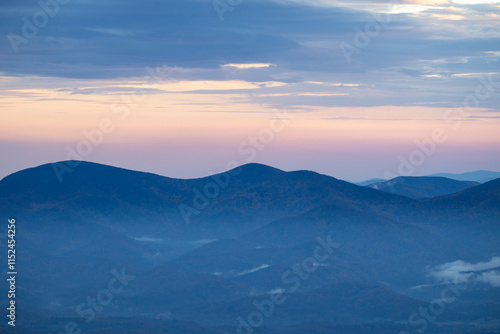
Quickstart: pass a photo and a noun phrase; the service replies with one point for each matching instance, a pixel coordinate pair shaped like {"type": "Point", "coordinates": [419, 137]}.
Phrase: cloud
{"type": "Point", "coordinates": [415, 58]}
{"type": "Point", "coordinates": [244, 272]}
{"type": "Point", "coordinates": [491, 277]}
{"type": "Point", "coordinates": [479, 75]}
{"type": "Point", "coordinates": [332, 84]}
{"type": "Point", "coordinates": [464, 272]}
{"type": "Point", "coordinates": [109, 90]}
{"type": "Point", "coordinates": [302, 94]}
{"type": "Point", "coordinates": [247, 66]}
{"type": "Point", "coordinates": [88, 40]}
{"type": "Point", "coordinates": [475, 2]}
{"type": "Point", "coordinates": [428, 2]}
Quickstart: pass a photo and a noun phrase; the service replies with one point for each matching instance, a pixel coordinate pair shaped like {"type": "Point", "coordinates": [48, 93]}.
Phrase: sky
{"type": "Point", "coordinates": [186, 88]}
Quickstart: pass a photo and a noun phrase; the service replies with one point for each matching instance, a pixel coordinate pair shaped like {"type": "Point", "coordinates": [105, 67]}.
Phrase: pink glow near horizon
{"type": "Point", "coordinates": [195, 139]}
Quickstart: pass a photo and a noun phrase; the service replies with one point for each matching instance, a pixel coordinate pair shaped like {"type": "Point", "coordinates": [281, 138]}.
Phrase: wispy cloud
{"type": "Point", "coordinates": [247, 66]}
{"type": "Point", "coordinates": [244, 272]}
{"type": "Point", "coordinates": [464, 272]}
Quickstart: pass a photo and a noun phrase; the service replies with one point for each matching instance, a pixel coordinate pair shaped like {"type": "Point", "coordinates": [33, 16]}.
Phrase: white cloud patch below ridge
{"type": "Point", "coordinates": [464, 272]}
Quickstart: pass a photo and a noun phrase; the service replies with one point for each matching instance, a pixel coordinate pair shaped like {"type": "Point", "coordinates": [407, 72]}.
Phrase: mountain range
{"type": "Point", "coordinates": [206, 254]}
{"type": "Point", "coordinates": [423, 187]}
{"type": "Point", "coordinates": [480, 176]}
